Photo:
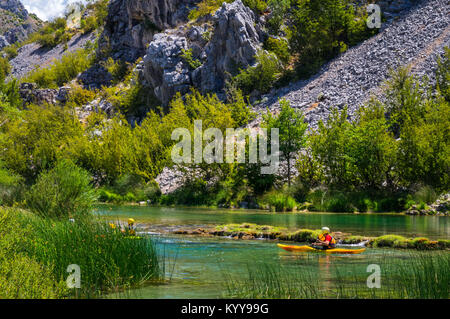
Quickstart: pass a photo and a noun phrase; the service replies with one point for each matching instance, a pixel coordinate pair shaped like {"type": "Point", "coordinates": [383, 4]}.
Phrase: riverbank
{"type": "Point", "coordinates": [247, 231]}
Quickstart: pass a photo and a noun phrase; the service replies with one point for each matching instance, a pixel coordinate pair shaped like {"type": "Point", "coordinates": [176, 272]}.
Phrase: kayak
{"type": "Point", "coordinates": [308, 249]}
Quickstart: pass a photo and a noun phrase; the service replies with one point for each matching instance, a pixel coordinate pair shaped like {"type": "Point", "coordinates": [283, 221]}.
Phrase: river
{"type": "Point", "coordinates": [198, 266]}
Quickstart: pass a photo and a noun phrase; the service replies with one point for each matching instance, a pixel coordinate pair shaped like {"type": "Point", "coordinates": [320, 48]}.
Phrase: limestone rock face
{"type": "Point", "coordinates": [14, 6]}
{"type": "Point", "coordinates": [227, 41]}
{"type": "Point", "coordinates": [15, 22]}
{"type": "Point", "coordinates": [236, 40]}
{"type": "Point", "coordinates": [131, 24]}
{"type": "Point", "coordinates": [164, 68]}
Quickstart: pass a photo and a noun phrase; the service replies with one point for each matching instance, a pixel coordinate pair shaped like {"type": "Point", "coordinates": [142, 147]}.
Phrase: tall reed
{"type": "Point", "coordinates": [109, 260]}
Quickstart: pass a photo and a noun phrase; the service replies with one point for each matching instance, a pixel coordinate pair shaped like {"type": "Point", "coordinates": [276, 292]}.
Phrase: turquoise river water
{"type": "Point", "coordinates": [198, 267]}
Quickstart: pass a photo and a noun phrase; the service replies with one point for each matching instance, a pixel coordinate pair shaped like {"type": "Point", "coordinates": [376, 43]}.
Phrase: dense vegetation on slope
{"type": "Point", "coordinates": [376, 162]}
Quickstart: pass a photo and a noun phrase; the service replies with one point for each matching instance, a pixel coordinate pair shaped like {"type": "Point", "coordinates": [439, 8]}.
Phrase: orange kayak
{"type": "Point", "coordinates": [308, 249]}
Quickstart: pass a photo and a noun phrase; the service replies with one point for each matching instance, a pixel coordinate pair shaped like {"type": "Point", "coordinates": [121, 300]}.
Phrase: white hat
{"type": "Point", "coordinates": [326, 228]}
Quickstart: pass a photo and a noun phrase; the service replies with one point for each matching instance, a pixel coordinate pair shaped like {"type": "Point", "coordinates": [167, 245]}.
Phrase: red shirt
{"type": "Point", "coordinates": [328, 238]}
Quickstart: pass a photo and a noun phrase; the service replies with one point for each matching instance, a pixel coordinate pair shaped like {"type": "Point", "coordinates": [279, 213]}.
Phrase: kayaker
{"type": "Point", "coordinates": [131, 227]}
{"type": "Point", "coordinates": [325, 240]}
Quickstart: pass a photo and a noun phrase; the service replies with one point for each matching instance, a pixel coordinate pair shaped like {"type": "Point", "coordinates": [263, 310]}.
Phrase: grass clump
{"type": "Point", "coordinates": [280, 202]}
{"type": "Point", "coordinates": [418, 276]}
{"type": "Point", "coordinates": [109, 259]}
{"type": "Point", "coordinates": [267, 282]}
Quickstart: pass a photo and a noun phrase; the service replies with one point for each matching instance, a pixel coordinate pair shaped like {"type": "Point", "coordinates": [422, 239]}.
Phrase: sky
{"type": "Point", "coordinates": [47, 9]}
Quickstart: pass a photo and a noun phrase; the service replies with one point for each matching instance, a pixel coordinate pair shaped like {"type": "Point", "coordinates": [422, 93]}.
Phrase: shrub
{"type": "Point", "coordinates": [64, 191]}
{"type": "Point", "coordinates": [323, 29]}
{"type": "Point", "coordinates": [11, 51]}
{"type": "Point", "coordinates": [189, 59]}
{"type": "Point", "coordinates": [205, 7]}
{"type": "Point", "coordinates": [63, 71]}
{"type": "Point", "coordinates": [280, 47]}
{"type": "Point", "coordinates": [443, 75]}
{"type": "Point", "coordinates": [260, 77]}
{"type": "Point", "coordinates": [280, 202]}
{"type": "Point", "coordinates": [11, 187]}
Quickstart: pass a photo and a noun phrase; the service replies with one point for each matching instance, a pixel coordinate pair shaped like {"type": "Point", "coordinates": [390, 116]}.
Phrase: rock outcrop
{"type": "Point", "coordinates": [14, 6]}
{"type": "Point", "coordinates": [31, 94]}
{"type": "Point", "coordinates": [131, 24]}
{"type": "Point", "coordinates": [15, 22]}
{"type": "Point", "coordinates": [440, 207]}
{"type": "Point", "coordinates": [227, 41]}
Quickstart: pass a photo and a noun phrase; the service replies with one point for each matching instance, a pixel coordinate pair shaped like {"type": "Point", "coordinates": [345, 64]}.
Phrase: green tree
{"type": "Point", "coordinates": [406, 98]}
{"type": "Point", "coordinates": [372, 149]}
{"type": "Point", "coordinates": [443, 75]}
{"type": "Point", "coordinates": [322, 29]}
{"type": "Point", "coordinates": [292, 128]}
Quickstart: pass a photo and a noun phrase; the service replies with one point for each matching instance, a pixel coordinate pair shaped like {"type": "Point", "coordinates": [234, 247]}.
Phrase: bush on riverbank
{"type": "Point", "coordinates": [65, 191]}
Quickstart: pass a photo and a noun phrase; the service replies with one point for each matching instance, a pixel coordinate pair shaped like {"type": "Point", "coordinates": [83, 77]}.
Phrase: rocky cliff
{"type": "Point", "coordinates": [218, 47]}
{"type": "Point", "coordinates": [15, 22]}
{"type": "Point", "coordinates": [131, 24]}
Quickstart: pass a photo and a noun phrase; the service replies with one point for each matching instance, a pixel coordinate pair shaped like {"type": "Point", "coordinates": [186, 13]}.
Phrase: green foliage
{"type": "Point", "coordinates": [109, 258]}
{"type": "Point", "coordinates": [424, 150]}
{"type": "Point", "coordinates": [118, 69]}
{"type": "Point", "coordinates": [5, 68]}
{"type": "Point", "coordinates": [35, 253]}
{"type": "Point", "coordinates": [419, 275]}
{"type": "Point", "coordinates": [35, 144]}
{"type": "Point", "coordinates": [323, 29]}
{"type": "Point", "coordinates": [204, 8]}
{"type": "Point", "coordinates": [443, 75]}
{"type": "Point", "coordinates": [280, 47]}
{"type": "Point", "coordinates": [53, 33]}
{"type": "Point", "coordinates": [11, 187]}
{"type": "Point", "coordinates": [291, 127]}
{"type": "Point", "coordinates": [189, 59]}
{"type": "Point", "coordinates": [280, 202]}
{"type": "Point", "coordinates": [405, 98]}
{"type": "Point", "coordinates": [359, 154]}
{"type": "Point", "coordinates": [258, 6]}
{"type": "Point", "coordinates": [62, 71]}
{"type": "Point", "coordinates": [278, 9]}
{"type": "Point", "coordinates": [20, 275]}
{"type": "Point", "coordinates": [11, 51]}
{"type": "Point", "coordinates": [260, 77]}
{"type": "Point", "coordinates": [64, 191]}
